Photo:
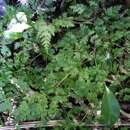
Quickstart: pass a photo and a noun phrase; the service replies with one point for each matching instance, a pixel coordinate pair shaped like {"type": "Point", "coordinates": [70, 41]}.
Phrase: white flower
{"type": "Point", "coordinates": [98, 112]}
{"type": "Point", "coordinates": [15, 30]}
{"type": "Point", "coordinates": [17, 25]}
{"type": "Point", "coordinates": [107, 56]}
{"type": "Point", "coordinates": [21, 17]}
{"type": "Point", "coordinates": [12, 23]}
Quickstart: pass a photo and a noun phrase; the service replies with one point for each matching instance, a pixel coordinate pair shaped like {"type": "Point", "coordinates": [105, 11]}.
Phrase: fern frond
{"type": "Point", "coordinates": [64, 22]}
{"type": "Point", "coordinates": [44, 34]}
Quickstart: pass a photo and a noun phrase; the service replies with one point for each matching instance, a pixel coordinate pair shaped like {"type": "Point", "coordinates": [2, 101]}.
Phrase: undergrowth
{"type": "Point", "coordinates": [59, 67]}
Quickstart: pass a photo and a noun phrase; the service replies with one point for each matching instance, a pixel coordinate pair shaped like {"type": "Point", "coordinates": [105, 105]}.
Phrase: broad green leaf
{"type": "Point", "coordinates": [12, 35]}
{"type": "Point", "coordinates": [110, 108]}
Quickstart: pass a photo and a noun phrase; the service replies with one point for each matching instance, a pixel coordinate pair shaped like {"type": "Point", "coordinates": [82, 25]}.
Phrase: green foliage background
{"type": "Point", "coordinates": [62, 64]}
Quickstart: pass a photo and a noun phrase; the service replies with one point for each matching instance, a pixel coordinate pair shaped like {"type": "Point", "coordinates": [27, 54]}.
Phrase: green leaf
{"type": "Point", "coordinates": [5, 105]}
{"type": "Point", "coordinates": [12, 35]}
{"type": "Point", "coordinates": [44, 34]}
{"type": "Point", "coordinates": [78, 8]}
{"type": "Point", "coordinates": [5, 51]}
{"type": "Point", "coordinates": [64, 22]}
{"type": "Point", "coordinates": [110, 108]}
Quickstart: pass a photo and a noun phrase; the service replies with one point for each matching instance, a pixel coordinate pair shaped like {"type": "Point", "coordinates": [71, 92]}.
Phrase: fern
{"type": "Point", "coordinates": [87, 50]}
{"type": "Point", "coordinates": [63, 22]}
{"type": "Point", "coordinates": [45, 31]}
{"type": "Point", "coordinates": [44, 34]}
{"type": "Point", "coordinates": [33, 107]}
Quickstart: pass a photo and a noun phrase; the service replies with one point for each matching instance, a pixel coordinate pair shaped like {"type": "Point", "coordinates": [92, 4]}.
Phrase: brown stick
{"type": "Point", "coordinates": [53, 123]}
